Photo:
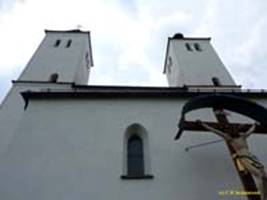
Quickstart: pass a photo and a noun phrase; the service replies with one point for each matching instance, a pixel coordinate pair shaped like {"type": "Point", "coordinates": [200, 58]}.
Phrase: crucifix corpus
{"type": "Point", "coordinates": [235, 135]}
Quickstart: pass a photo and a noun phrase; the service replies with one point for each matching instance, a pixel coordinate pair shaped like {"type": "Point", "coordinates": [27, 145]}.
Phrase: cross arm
{"type": "Point", "coordinates": [196, 126]}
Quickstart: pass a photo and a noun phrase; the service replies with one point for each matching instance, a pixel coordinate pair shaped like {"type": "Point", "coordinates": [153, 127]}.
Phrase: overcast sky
{"type": "Point", "coordinates": [129, 37]}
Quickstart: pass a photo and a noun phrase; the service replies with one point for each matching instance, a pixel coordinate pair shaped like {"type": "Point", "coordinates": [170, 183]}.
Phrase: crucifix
{"type": "Point", "coordinates": [248, 167]}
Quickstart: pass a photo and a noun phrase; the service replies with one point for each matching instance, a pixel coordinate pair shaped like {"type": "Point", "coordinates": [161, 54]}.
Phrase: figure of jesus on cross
{"type": "Point", "coordinates": [245, 160]}
{"type": "Point", "coordinates": [249, 168]}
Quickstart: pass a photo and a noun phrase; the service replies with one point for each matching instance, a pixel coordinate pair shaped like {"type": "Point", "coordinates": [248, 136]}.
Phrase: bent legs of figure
{"type": "Point", "coordinates": [259, 174]}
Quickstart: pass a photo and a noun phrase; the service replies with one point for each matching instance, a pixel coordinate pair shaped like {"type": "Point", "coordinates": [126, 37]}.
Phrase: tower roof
{"type": "Point", "coordinates": [66, 31]}
{"type": "Point", "coordinates": [180, 36]}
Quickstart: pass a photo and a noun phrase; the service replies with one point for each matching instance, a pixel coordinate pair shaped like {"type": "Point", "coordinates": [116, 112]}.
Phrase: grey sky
{"type": "Point", "coordinates": [129, 36]}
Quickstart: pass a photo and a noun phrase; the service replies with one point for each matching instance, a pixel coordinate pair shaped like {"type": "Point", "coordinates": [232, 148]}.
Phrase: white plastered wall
{"type": "Point", "coordinates": [73, 149]}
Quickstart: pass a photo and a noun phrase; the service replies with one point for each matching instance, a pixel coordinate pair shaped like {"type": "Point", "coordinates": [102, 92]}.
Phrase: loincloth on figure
{"type": "Point", "coordinates": [245, 160]}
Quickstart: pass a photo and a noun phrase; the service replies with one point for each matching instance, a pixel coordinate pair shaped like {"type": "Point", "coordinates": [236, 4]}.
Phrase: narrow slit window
{"type": "Point", "coordinates": [68, 43]}
{"type": "Point", "coordinates": [87, 59]}
{"type": "Point", "coordinates": [169, 65]}
{"type": "Point", "coordinates": [197, 47]}
{"type": "Point", "coordinates": [188, 47]}
{"type": "Point", "coordinates": [135, 156]}
{"type": "Point", "coordinates": [57, 43]}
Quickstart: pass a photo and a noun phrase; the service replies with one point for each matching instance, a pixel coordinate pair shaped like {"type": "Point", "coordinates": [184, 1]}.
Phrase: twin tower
{"type": "Point", "coordinates": [66, 57]}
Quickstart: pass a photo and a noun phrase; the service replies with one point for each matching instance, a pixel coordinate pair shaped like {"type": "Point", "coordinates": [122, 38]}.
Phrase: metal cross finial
{"type": "Point", "coordinates": [79, 26]}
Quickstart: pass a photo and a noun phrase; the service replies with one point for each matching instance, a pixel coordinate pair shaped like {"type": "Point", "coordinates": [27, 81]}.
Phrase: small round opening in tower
{"type": "Point", "coordinates": [54, 78]}
{"type": "Point", "coordinates": [178, 36]}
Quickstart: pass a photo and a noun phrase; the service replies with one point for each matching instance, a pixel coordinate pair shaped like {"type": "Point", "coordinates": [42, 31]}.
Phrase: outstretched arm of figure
{"type": "Point", "coordinates": [250, 130]}
{"type": "Point", "coordinates": [216, 131]}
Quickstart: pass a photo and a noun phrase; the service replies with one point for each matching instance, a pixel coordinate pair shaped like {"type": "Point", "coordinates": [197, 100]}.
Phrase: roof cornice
{"type": "Point", "coordinates": [93, 92]}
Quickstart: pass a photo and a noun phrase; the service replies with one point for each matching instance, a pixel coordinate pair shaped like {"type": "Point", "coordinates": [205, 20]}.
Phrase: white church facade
{"type": "Point", "coordinates": [64, 139]}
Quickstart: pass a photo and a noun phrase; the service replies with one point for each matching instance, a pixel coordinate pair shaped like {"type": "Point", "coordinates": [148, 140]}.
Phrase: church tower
{"type": "Point", "coordinates": [63, 59]}
{"type": "Point", "coordinates": [194, 62]}
{"type": "Point", "coordinates": [63, 56]}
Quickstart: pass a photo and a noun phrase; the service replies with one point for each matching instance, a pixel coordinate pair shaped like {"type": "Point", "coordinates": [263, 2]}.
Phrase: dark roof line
{"type": "Point", "coordinates": [190, 38]}
{"type": "Point", "coordinates": [126, 92]}
{"type": "Point", "coordinates": [126, 87]}
{"type": "Point", "coordinates": [42, 82]}
{"type": "Point", "coordinates": [66, 31]}
{"type": "Point", "coordinates": [122, 87]}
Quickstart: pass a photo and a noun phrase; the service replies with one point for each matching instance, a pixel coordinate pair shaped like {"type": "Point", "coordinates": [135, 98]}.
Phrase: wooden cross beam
{"type": "Point", "coordinates": [245, 177]}
{"type": "Point", "coordinates": [224, 125]}
{"type": "Point", "coordinates": [195, 126]}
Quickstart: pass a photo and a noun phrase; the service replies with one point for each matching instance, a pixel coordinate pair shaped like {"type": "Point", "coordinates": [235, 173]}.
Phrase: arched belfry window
{"type": "Point", "coordinates": [68, 43]}
{"type": "Point", "coordinates": [57, 43]}
{"type": "Point", "coordinates": [53, 78]}
{"type": "Point", "coordinates": [216, 81]}
{"type": "Point", "coordinates": [188, 47]}
{"type": "Point", "coordinates": [197, 47]}
{"type": "Point", "coordinates": [136, 156]}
